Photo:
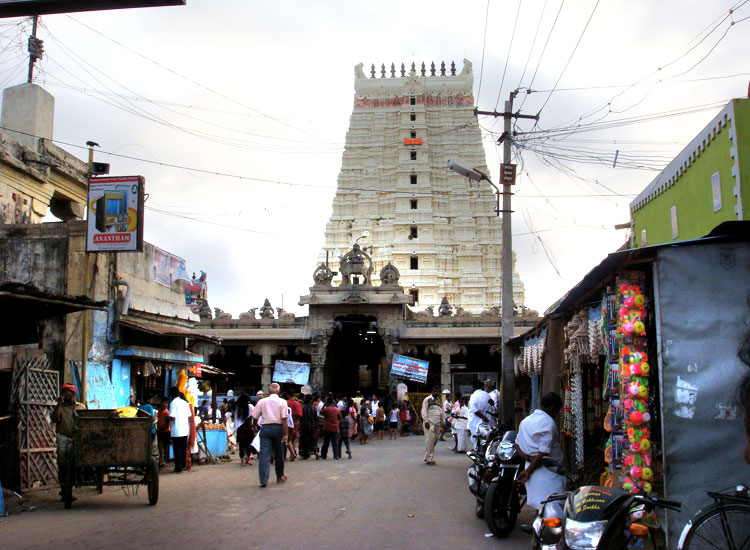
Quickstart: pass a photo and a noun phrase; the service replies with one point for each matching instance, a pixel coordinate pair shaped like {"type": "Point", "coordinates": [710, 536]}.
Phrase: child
{"type": "Point", "coordinates": [393, 422]}
{"type": "Point", "coordinates": [162, 432]}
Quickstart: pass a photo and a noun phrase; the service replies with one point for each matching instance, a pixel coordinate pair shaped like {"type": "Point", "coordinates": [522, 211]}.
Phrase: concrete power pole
{"type": "Point", "coordinates": [507, 174]}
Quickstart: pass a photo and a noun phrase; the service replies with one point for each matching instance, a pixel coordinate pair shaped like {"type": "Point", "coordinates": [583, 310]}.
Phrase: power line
{"type": "Point", "coordinates": [484, 44]}
{"type": "Point", "coordinates": [507, 58]}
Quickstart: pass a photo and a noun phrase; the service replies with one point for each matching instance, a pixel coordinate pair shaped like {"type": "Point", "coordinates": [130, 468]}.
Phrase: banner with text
{"type": "Point", "coordinates": [410, 368]}
{"type": "Point", "coordinates": [114, 217]}
{"type": "Point", "coordinates": [291, 372]}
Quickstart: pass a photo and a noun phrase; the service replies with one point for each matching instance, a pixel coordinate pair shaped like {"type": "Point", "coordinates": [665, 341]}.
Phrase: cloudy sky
{"type": "Point", "coordinates": [236, 113]}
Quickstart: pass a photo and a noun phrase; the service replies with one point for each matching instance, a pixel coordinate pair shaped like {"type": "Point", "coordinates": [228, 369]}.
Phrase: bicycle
{"type": "Point", "coordinates": [724, 525]}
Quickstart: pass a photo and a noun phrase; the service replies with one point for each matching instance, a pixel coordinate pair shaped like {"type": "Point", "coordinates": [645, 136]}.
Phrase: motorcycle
{"type": "Point", "coordinates": [594, 518]}
{"type": "Point", "coordinates": [478, 474]}
{"type": "Point", "coordinates": [504, 497]}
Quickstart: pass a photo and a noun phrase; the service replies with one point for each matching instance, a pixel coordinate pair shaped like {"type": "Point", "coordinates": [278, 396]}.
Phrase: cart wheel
{"type": "Point", "coordinates": [152, 479]}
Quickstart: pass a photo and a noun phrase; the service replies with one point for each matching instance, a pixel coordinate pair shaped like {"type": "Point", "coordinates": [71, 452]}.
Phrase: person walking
{"type": "Point", "coordinates": [433, 417]}
{"type": "Point", "coordinates": [162, 432]}
{"type": "Point", "coordinates": [296, 408]}
{"type": "Point", "coordinates": [344, 423]}
{"type": "Point", "coordinates": [179, 428]}
{"type": "Point", "coordinates": [365, 426]}
{"type": "Point", "coordinates": [331, 418]}
{"type": "Point", "coordinates": [243, 428]}
{"type": "Point", "coordinates": [273, 434]}
{"type": "Point", "coordinates": [308, 437]}
{"type": "Point", "coordinates": [379, 421]}
{"type": "Point", "coordinates": [460, 425]}
{"type": "Point", "coordinates": [393, 422]}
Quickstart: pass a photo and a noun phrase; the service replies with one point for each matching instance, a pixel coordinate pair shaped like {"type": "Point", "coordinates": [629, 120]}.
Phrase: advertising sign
{"type": "Point", "coordinates": [115, 214]}
{"type": "Point", "coordinates": [410, 368]}
{"type": "Point", "coordinates": [168, 268]}
{"type": "Point", "coordinates": [291, 372]}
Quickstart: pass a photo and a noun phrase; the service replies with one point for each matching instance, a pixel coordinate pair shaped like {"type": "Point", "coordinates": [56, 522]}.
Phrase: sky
{"type": "Point", "coordinates": [236, 112]}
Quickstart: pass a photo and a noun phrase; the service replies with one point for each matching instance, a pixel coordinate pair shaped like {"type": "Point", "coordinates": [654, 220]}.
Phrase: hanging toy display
{"type": "Point", "coordinates": [634, 382]}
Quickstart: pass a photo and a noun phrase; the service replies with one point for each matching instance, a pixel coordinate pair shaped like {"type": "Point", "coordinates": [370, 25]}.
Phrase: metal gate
{"type": "Point", "coordinates": [34, 394]}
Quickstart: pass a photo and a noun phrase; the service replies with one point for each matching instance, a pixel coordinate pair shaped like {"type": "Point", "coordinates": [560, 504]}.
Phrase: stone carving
{"type": "Point", "coordinates": [467, 67]}
{"type": "Point", "coordinates": [389, 275]}
{"type": "Point", "coordinates": [494, 311]}
{"type": "Point", "coordinates": [355, 264]}
{"type": "Point", "coordinates": [428, 313]}
{"type": "Point", "coordinates": [358, 72]}
{"type": "Point", "coordinates": [461, 312]}
{"type": "Point", "coordinates": [354, 298]}
{"type": "Point", "coordinates": [220, 314]}
{"type": "Point", "coordinates": [284, 314]}
{"type": "Point", "coordinates": [322, 275]}
{"type": "Point", "coordinates": [445, 308]}
{"type": "Point", "coordinates": [266, 312]}
{"type": "Point", "coordinates": [446, 348]}
{"type": "Point", "coordinates": [249, 314]}
{"type": "Point", "coordinates": [205, 310]}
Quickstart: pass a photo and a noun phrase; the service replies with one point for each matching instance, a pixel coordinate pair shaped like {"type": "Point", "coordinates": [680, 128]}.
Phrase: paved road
{"type": "Point", "coordinates": [385, 497]}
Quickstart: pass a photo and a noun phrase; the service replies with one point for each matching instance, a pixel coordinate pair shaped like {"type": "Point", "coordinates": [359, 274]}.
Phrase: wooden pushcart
{"type": "Point", "coordinates": [110, 450]}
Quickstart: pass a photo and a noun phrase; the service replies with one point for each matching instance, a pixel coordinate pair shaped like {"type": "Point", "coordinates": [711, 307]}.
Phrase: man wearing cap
{"type": "Point", "coordinates": [65, 419]}
{"type": "Point", "coordinates": [273, 433]}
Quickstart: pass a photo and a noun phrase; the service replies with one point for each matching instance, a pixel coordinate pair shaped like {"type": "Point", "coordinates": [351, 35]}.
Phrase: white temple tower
{"type": "Point", "coordinates": [436, 227]}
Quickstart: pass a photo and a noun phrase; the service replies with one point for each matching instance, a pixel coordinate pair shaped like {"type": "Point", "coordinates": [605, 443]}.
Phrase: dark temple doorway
{"type": "Point", "coordinates": [355, 351]}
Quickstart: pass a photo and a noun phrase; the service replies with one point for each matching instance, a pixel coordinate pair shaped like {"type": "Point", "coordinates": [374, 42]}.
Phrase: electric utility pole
{"type": "Point", "coordinates": [508, 174]}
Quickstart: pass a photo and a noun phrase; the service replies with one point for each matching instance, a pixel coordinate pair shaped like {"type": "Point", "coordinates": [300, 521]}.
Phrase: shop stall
{"type": "Point", "coordinates": [644, 353]}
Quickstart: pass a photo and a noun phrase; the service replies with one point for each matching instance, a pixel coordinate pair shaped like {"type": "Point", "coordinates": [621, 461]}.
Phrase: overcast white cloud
{"type": "Point", "coordinates": [264, 91]}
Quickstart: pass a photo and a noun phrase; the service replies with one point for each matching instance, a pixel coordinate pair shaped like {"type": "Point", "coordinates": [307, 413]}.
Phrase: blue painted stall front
{"type": "Point", "coordinates": [216, 442]}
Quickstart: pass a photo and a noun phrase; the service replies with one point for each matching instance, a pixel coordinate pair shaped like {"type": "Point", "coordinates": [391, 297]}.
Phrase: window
{"type": "Point", "coordinates": [673, 216]}
{"type": "Point", "coordinates": [413, 134]}
{"type": "Point", "coordinates": [413, 232]}
{"type": "Point", "coordinates": [413, 179]}
{"type": "Point", "coordinates": [413, 117]}
{"type": "Point", "coordinates": [412, 100]}
{"type": "Point", "coordinates": [644, 241]}
{"type": "Point", "coordinates": [414, 293]}
{"type": "Point", "coordinates": [414, 262]}
{"type": "Point", "coordinates": [412, 155]}
{"type": "Point", "coordinates": [413, 203]}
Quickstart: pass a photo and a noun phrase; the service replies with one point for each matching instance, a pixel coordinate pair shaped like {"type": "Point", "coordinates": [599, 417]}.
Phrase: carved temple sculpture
{"type": "Point", "coordinates": [356, 264]}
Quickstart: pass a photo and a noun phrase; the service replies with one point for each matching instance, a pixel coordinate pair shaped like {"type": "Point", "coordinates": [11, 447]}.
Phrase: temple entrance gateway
{"type": "Point", "coordinates": [355, 355]}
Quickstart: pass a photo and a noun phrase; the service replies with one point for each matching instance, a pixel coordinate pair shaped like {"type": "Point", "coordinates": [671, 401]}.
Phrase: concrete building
{"type": "Point", "coordinates": [706, 184]}
{"type": "Point", "coordinates": [35, 174]}
{"type": "Point", "coordinates": [437, 228]}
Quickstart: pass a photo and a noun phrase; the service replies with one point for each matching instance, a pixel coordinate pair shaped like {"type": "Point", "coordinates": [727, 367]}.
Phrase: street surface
{"type": "Point", "coordinates": [385, 497]}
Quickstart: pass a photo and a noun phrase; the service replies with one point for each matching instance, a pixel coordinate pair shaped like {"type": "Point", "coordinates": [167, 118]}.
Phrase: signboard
{"type": "Point", "coordinates": [115, 214]}
{"type": "Point", "coordinates": [291, 372]}
{"type": "Point", "coordinates": [20, 8]}
{"type": "Point", "coordinates": [168, 268]}
{"type": "Point", "coordinates": [196, 370]}
{"type": "Point", "coordinates": [410, 368]}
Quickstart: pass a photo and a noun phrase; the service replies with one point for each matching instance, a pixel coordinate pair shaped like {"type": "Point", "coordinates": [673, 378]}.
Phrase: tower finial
{"type": "Point", "coordinates": [432, 69]}
{"type": "Point", "coordinates": [393, 70]}
{"type": "Point", "coordinates": [453, 68]}
{"type": "Point", "coordinates": [403, 70]}
{"type": "Point", "coordinates": [372, 71]}
{"type": "Point", "coordinates": [442, 68]}
{"type": "Point", "coordinates": [423, 69]}
{"type": "Point", "coordinates": [382, 71]}
{"type": "Point", "coordinates": [413, 68]}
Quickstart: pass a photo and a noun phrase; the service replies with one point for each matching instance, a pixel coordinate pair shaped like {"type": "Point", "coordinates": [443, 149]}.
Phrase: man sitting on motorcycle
{"type": "Point", "coordinates": [538, 437]}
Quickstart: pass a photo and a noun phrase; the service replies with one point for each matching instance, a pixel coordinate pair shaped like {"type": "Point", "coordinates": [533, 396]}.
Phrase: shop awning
{"type": "Point", "coordinates": [160, 354]}
{"type": "Point", "coordinates": [165, 330]}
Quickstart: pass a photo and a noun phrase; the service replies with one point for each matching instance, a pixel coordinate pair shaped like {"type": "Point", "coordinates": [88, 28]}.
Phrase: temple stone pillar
{"type": "Point", "coordinates": [267, 351]}
{"type": "Point", "coordinates": [445, 350]}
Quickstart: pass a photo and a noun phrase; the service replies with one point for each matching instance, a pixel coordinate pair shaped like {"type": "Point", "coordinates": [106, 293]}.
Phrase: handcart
{"type": "Point", "coordinates": [110, 450]}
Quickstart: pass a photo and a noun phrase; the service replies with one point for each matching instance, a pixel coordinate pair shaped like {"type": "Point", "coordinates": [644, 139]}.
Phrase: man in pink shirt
{"type": "Point", "coordinates": [273, 434]}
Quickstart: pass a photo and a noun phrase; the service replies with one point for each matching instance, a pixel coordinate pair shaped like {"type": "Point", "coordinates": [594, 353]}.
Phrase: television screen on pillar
{"type": "Point", "coordinates": [20, 8]}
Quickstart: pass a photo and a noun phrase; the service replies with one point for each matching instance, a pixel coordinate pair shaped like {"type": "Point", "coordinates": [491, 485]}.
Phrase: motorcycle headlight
{"type": "Point", "coordinates": [484, 430]}
{"type": "Point", "coordinates": [506, 451]}
{"type": "Point", "coordinates": [584, 536]}
{"type": "Point", "coordinates": [491, 451]}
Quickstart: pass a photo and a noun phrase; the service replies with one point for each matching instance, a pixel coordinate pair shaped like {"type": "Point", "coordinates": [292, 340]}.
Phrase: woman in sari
{"type": "Point", "coordinates": [243, 428]}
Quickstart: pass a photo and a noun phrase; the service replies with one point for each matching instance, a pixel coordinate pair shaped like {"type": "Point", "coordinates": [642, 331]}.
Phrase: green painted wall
{"type": "Point", "coordinates": [692, 194]}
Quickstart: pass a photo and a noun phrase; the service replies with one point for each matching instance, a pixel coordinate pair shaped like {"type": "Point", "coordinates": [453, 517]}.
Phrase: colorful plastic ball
{"type": "Point", "coordinates": [623, 312]}
{"type": "Point", "coordinates": [636, 472]}
{"type": "Point", "coordinates": [645, 368]}
{"type": "Point", "coordinates": [636, 417]}
{"type": "Point", "coordinates": [628, 403]}
{"type": "Point", "coordinates": [627, 484]}
{"type": "Point", "coordinates": [643, 392]}
{"type": "Point", "coordinates": [636, 447]}
{"type": "Point", "coordinates": [647, 474]}
{"type": "Point", "coordinates": [639, 327]}
{"type": "Point", "coordinates": [629, 302]}
{"type": "Point", "coordinates": [633, 389]}
{"type": "Point", "coordinates": [628, 328]}
{"type": "Point", "coordinates": [645, 445]}
{"type": "Point", "coordinates": [646, 417]}
{"type": "Point", "coordinates": [635, 370]}
{"type": "Point", "coordinates": [647, 487]}
{"type": "Point", "coordinates": [624, 288]}
{"type": "Point", "coordinates": [639, 300]}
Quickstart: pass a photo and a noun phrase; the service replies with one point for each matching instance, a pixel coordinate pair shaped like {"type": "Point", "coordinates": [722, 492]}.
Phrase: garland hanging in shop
{"type": "Point", "coordinates": [576, 395]}
{"type": "Point", "coordinates": [533, 353]}
{"type": "Point", "coordinates": [567, 427]}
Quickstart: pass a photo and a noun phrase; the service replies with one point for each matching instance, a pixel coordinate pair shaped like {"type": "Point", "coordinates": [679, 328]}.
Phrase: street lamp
{"type": "Point", "coordinates": [462, 167]}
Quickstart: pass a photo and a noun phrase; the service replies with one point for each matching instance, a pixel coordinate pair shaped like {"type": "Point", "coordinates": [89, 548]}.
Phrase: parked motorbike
{"type": "Point", "coordinates": [594, 518]}
{"type": "Point", "coordinates": [504, 497]}
{"type": "Point", "coordinates": [479, 474]}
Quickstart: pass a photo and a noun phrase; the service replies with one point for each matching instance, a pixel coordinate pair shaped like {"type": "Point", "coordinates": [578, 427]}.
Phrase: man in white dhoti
{"type": "Point", "coordinates": [538, 437]}
{"type": "Point", "coordinates": [478, 403]}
